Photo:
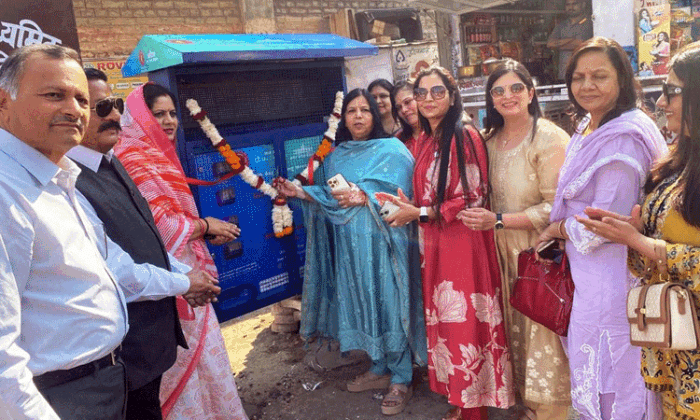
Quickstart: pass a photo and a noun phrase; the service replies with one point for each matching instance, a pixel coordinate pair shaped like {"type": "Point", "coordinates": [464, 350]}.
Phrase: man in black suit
{"type": "Point", "coordinates": [150, 346]}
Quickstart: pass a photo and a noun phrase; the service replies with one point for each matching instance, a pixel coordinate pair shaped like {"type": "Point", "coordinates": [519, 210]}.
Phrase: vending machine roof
{"type": "Point", "coordinates": [155, 52]}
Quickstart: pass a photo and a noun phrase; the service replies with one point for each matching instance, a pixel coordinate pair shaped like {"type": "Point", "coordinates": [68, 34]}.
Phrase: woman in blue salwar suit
{"type": "Point", "coordinates": [362, 278]}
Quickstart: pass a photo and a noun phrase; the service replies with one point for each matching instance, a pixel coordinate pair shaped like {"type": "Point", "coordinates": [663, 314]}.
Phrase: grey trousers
{"type": "Point", "coordinates": [100, 396]}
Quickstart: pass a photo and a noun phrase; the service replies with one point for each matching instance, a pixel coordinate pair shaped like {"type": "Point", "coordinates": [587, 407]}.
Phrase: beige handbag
{"type": "Point", "coordinates": [663, 315]}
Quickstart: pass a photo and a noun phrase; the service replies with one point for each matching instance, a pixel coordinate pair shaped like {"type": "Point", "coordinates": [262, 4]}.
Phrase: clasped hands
{"type": "Point", "coordinates": [477, 218]}
{"type": "Point", "coordinates": [203, 288]}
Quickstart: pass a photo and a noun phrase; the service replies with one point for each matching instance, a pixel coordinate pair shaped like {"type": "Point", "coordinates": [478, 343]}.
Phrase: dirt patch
{"type": "Point", "coordinates": [275, 383]}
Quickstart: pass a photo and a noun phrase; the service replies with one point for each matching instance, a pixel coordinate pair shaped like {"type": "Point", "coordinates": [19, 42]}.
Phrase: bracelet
{"type": "Point", "coordinates": [205, 226]}
{"type": "Point", "coordinates": [561, 232]}
{"type": "Point", "coordinates": [660, 257]}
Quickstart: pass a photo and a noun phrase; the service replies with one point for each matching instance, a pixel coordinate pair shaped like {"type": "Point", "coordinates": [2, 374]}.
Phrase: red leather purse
{"type": "Point", "coordinates": [544, 292]}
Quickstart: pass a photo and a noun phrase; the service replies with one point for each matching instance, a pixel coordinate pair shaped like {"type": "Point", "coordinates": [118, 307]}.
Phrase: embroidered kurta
{"type": "Point", "coordinates": [605, 169]}
{"type": "Point", "coordinates": [358, 288]}
{"type": "Point", "coordinates": [200, 385]}
{"type": "Point", "coordinates": [524, 179]}
{"type": "Point", "coordinates": [469, 361]}
{"type": "Point", "coordinates": [676, 373]}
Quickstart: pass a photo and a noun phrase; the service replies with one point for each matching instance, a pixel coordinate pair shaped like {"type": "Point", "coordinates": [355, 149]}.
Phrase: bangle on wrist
{"type": "Point", "coordinates": [206, 227]}
{"type": "Point", "coordinates": [561, 231]}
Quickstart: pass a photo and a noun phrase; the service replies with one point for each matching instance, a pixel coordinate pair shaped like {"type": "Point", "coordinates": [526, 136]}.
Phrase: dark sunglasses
{"type": "Point", "coordinates": [437, 92]}
{"type": "Point", "coordinates": [515, 88]}
{"type": "Point", "coordinates": [104, 107]}
{"type": "Point", "coordinates": [670, 91]}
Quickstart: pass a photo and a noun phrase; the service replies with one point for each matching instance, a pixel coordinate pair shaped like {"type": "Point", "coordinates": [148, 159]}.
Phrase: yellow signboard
{"type": "Point", "coordinates": [121, 86]}
{"type": "Point", "coordinates": [653, 40]}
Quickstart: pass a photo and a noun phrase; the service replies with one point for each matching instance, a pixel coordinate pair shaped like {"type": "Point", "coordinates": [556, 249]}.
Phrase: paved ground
{"type": "Point", "coordinates": [275, 384]}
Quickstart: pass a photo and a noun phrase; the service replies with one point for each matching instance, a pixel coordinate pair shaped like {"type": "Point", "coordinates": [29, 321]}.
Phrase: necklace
{"type": "Point", "coordinates": [504, 141]}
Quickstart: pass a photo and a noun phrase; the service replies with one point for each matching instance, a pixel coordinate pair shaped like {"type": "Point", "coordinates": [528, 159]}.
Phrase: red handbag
{"type": "Point", "coordinates": [544, 291]}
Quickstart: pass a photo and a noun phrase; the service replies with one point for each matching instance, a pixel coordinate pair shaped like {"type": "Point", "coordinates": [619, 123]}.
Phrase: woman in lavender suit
{"type": "Point", "coordinates": [606, 164]}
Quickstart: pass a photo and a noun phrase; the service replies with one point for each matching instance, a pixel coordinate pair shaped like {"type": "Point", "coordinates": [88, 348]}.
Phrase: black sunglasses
{"type": "Point", "coordinates": [104, 107]}
{"type": "Point", "coordinates": [670, 91]}
{"type": "Point", "coordinates": [437, 92]}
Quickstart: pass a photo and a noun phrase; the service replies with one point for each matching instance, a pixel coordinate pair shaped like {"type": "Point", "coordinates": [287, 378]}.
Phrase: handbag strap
{"type": "Point", "coordinates": [641, 309]}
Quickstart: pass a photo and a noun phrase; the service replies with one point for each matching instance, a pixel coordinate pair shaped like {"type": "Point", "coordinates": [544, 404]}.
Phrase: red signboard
{"type": "Point", "coordinates": [26, 22]}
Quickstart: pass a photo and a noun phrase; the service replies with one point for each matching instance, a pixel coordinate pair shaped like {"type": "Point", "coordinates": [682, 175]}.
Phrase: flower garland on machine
{"type": "Point", "coordinates": [238, 161]}
{"type": "Point", "coordinates": [306, 177]}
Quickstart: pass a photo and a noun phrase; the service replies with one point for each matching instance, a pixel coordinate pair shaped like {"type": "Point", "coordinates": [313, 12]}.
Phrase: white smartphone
{"type": "Point", "coordinates": [338, 182]}
{"type": "Point", "coordinates": [388, 209]}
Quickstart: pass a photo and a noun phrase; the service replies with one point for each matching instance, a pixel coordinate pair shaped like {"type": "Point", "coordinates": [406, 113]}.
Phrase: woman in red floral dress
{"type": "Point", "coordinates": [468, 356]}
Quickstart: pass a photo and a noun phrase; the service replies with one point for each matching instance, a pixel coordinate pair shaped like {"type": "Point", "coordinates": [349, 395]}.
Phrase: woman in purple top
{"type": "Point", "coordinates": [606, 164]}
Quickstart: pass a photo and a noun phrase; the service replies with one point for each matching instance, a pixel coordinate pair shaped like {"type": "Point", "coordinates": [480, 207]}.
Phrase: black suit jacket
{"type": "Point", "coordinates": [150, 346]}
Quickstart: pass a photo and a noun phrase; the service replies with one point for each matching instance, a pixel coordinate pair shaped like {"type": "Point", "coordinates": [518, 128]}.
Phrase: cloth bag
{"type": "Point", "coordinates": [663, 315]}
{"type": "Point", "coordinates": [544, 291]}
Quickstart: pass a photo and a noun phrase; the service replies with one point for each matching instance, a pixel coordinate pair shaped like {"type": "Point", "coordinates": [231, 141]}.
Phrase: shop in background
{"type": "Point", "coordinates": [519, 31]}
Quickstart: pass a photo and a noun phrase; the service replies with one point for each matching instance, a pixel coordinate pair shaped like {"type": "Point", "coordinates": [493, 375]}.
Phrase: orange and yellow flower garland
{"type": "Point", "coordinates": [238, 161]}
{"type": "Point", "coordinates": [306, 177]}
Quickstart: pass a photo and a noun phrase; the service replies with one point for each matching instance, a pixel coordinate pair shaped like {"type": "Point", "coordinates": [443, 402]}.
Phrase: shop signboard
{"type": "Point", "coordinates": [27, 22]}
{"type": "Point", "coordinates": [409, 59]}
{"type": "Point", "coordinates": [121, 86]}
{"type": "Point", "coordinates": [653, 36]}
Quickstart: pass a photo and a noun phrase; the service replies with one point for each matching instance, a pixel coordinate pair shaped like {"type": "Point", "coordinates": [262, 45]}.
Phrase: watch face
{"type": "Point", "coordinates": [499, 225]}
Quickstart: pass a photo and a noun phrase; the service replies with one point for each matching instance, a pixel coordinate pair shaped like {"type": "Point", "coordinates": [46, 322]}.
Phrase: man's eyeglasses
{"type": "Point", "coordinates": [515, 88]}
{"type": "Point", "coordinates": [670, 91]}
{"type": "Point", "coordinates": [104, 106]}
{"type": "Point", "coordinates": [437, 92]}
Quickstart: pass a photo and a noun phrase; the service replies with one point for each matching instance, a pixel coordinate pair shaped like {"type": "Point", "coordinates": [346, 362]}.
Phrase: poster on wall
{"type": "Point", "coordinates": [121, 86]}
{"type": "Point", "coordinates": [653, 39]}
{"type": "Point", "coordinates": [27, 22]}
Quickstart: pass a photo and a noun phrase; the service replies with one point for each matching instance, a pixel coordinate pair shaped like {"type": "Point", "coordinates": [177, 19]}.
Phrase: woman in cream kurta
{"type": "Point", "coordinates": [524, 179]}
{"type": "Point", "coordinates": [523, 171]}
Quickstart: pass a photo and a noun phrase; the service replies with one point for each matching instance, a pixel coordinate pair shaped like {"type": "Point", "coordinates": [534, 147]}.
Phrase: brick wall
{"type": "Point", "coordinates": [110, 28]}
{"type": "Point", "coordinates": [304, 16]}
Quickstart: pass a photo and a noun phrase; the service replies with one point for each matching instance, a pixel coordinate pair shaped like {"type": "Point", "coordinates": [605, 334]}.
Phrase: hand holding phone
{"type": "Point", "coordinates": [338, 182]}
{"type": "Point", "coordinates": [388, 208]}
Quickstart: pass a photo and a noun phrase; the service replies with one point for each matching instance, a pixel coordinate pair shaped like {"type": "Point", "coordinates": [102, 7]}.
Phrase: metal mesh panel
{"type": "Point", "coordinates": [254, 98]}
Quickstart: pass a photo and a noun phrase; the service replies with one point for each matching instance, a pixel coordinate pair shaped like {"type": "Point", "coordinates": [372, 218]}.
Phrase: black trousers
{"type": "Point", "coordinates": [100, 396]}
{"type": "Point", "coordinates": [144, 403]}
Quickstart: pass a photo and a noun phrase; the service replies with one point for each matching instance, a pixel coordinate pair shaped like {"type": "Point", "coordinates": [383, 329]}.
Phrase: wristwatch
{"type": "Point", "coordinates": [423, 216]}
{"type": "Point", "coordinates": [499, 222]}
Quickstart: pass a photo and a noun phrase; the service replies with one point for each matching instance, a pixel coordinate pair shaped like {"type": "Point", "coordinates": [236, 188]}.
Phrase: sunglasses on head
{"type": "Point", "coordinates": [515, 88]}
{"type": "Point", "coordinates": [104, 106]}
{"type": "Point", "coordinates": [670, 91]}
{"type": "Point", "coordinates": [437, 92]}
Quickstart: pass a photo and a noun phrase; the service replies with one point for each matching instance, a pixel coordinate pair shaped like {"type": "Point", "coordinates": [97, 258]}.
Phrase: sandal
{"type": "Point", "coordinates": [528, 414]}
{"type": "Point", "coordinates": [397, 399]}
{"type": "Point", "coordinates": [369, 380]}
{"type": "Point", "coordinates": [455, 413]}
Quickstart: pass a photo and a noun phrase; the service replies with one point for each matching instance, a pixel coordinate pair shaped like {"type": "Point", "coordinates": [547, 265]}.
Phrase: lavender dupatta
{"type": "Point", "coordinates": [585, 156]}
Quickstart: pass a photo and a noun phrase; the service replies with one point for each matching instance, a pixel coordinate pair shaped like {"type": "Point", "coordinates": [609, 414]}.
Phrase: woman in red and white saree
{"type": "Point", "coordinates": [200, 385]}
{"type": "Point", "coordinates": [468, 357]}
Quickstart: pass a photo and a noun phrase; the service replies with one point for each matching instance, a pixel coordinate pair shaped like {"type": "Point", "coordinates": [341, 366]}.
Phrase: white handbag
{"type": "Point", "coordinates": [663, 315]}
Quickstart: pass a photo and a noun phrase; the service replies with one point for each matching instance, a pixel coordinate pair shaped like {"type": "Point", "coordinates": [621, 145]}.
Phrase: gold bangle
{"type": "Point", "coordinates": [561, 232]}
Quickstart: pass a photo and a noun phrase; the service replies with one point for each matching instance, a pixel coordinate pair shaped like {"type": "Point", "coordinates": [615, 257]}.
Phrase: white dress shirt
{"type": "Point", "coordinates": [60, 306]}
{"type": "Point", "coordinates": [145, 281]}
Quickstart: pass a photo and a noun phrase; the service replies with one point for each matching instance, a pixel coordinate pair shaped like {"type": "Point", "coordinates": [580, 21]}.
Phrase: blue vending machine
{"type": "Point", "coordinates": [270, 97]}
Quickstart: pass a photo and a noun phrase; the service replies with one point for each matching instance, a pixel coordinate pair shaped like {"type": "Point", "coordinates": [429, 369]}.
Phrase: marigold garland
{"type": "Point", "coordinates": [238, 161]}
{"type": "Point", "coordinates": [306, 177]}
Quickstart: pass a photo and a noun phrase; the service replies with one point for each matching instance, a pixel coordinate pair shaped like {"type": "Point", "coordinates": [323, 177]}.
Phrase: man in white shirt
{"type": "Point", "coordinates": [62, 310]}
